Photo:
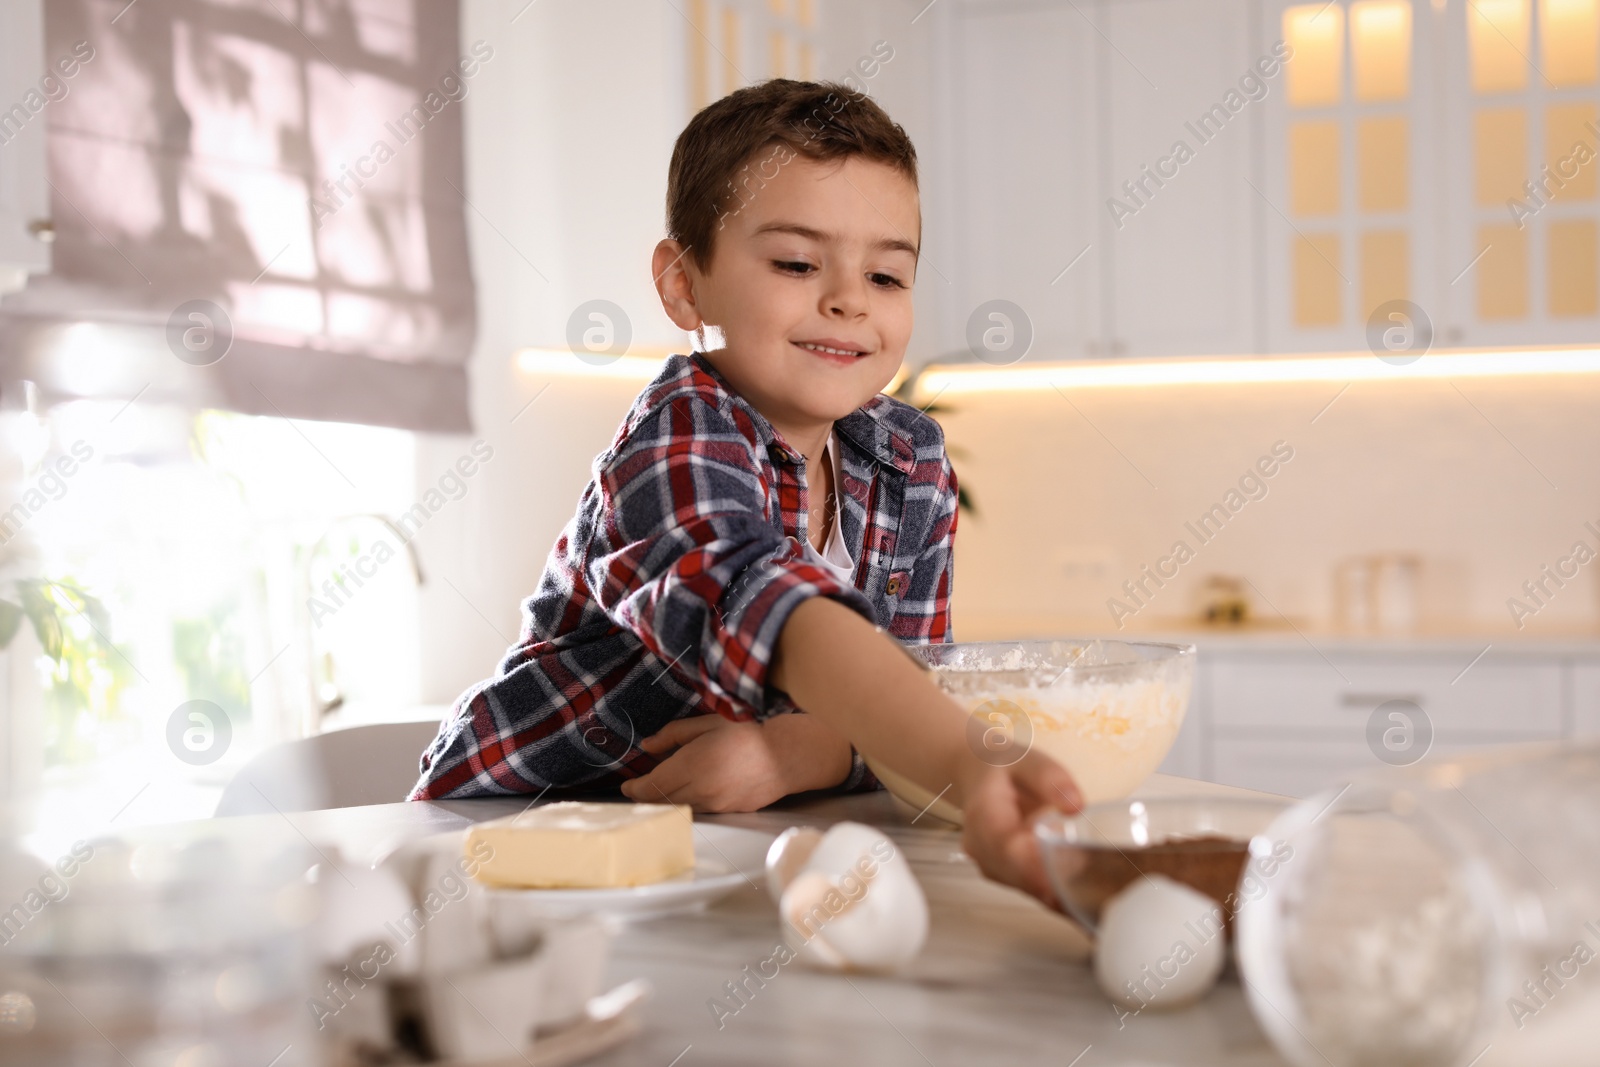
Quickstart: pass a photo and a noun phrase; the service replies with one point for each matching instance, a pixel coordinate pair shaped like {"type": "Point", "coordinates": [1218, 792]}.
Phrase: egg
{"type": "Point", "coordinates": [360, 908]}
{"type": "Point", "coordinates": [847, 898]}
{"type": "Point", "coordinates": [1160, 944]}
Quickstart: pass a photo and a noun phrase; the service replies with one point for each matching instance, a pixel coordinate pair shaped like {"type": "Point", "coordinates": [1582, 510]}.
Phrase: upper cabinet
{"type": "Point", "coordinates": [1234, 176]}
{"type": "Point", "coordinates": [1521, 90]}
{"type": "Point", "coordinates": [1022, 180]}
{"type": "Point", "coordinates": [1438, 154]}
{"type": "Point", "coordinates": [24, 95]}
{"type": "Point", "coordinates": [1094, 187]}
{"type": "Point", "coordinates": [1350, 173]}
{"type": "Point", "coordinates": [1180, 88]}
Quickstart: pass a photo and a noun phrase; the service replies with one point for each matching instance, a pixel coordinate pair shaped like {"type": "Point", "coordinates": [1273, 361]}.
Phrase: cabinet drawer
{"type": "Point", "coordinates": [1301, 768]}
{"type": "Point", "coordinates": [1586, 699]}
{"type": "Point", "coordinates": [1509, 698]}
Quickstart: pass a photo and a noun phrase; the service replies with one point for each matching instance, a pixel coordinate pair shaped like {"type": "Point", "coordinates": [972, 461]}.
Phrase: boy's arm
{"type": "Point", "coordinates": [716, 765]}
{"type": "Point", "coordinates": [799, 752]}
{"type": "Point", "coordinates": [840, 669]}
{"type": "Point", "coordinates": [685, 557]}
{"type": "Point", "coordinates": [513, 734]}
{"type": "Point", "coordinates": [922, 615]}
{"type": "Point", "coordinates": [691, 562]}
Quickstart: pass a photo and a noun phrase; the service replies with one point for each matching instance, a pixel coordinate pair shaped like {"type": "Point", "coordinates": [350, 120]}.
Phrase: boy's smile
{"type": "Point", "coordinates": [810, 284]}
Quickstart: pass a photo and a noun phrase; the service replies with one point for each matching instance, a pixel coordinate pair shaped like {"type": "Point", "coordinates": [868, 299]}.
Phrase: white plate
{"type": "Point", "coordinates": [725, 858]}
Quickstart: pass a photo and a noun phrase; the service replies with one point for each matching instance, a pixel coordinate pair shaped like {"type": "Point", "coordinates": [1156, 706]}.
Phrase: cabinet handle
{"type": "Point", "coordinates": [1372, 700]}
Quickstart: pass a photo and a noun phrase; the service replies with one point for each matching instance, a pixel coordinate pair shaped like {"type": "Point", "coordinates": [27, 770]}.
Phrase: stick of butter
{"type": "Point", "coordinates": [580, 845]}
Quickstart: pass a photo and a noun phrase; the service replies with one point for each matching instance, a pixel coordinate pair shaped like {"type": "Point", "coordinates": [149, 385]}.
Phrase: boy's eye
{"type": "Point", "coordinates": [800, 269]}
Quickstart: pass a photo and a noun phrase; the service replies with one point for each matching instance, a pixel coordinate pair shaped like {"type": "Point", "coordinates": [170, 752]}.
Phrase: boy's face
{"type": "Point", "coordinates": [822, 255]}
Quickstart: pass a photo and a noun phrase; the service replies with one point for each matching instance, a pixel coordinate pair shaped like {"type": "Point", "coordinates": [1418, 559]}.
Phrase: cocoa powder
{"type": "Point", "coordinates": [1210, 864]}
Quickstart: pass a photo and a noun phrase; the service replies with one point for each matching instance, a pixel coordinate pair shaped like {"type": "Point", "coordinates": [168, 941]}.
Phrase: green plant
{"type": "Point", "coordinates": [48, 605]}
{"type": "Point", "coordinates": [88, 673]}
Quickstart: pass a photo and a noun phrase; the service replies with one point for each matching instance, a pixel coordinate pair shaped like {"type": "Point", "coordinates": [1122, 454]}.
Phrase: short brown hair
{"type": "Point", "coordinates": [819, 120]}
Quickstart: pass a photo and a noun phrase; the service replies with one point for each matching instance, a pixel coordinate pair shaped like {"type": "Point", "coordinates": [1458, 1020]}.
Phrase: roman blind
{"type": "Point", "coordinates": [264, 195]}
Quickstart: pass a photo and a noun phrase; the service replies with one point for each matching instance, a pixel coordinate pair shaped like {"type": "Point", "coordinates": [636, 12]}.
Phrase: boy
{"type": "Point", "coordinates": [765, 525]}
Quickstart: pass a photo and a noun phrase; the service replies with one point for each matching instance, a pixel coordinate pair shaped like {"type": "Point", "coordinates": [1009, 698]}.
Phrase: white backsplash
{"type": "Point", "coordinates": [1485, 481]}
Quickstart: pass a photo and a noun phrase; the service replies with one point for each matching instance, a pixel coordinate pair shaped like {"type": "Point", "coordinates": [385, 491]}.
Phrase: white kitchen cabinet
{"type": "Point", "coordinates": [24, 193]}
{"type": "Point", "coordinates": [1381, 165]}
{"type": "Point", "coordinates": [1511, 697]}
{"type": "Point", "coordinates": [1394, 163]}
{"type": "Point", "coordinates": [1521, 85]}
{"type": "Point", "coordinates": [1176, 217]}
{"type": "Point", "coordinates": [1188, 755]}
{"type": "Point", "coordinates": [1350, 173]}
{"type": "Point", "coordinates": [1292, 768]}
{"type": "Point", "coordinates": [1586, 700]}
{"type": "Point", "coordinates": [1056, 106]}
{"type": "Point", "coordinates": [1303, 768]}
{"type": "Point", "coordinates": [1291, 722]}
{"type": "Point", "coordinates": [1023, 150]}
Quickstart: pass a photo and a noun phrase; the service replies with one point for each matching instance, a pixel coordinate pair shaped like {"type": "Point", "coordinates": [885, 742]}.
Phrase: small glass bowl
{"type": "Point", "coordinates": [1200, 841]}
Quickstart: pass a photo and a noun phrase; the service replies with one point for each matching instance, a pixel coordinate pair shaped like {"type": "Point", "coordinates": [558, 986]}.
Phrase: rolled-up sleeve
{"type": "Point", "coordinates": [690, 561]}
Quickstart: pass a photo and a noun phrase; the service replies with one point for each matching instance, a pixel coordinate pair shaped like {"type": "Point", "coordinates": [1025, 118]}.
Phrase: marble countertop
{"type": "Point", "coordinates": [1001, 980]}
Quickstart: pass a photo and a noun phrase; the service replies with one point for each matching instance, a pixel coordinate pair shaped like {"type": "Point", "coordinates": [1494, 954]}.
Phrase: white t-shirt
{"type": "Point", "coordinates": [834, 555]}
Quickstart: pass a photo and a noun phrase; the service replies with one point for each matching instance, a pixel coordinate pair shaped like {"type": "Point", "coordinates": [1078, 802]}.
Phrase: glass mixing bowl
{"type": "Point", "coordinates": [1108, 711]}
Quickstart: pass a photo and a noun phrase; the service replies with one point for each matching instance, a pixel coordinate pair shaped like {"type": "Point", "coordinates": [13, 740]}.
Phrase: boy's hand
{"type": "Point", "coordinates": [1001, 804]}
{"type": "Point", "coordinates": [717, 765]}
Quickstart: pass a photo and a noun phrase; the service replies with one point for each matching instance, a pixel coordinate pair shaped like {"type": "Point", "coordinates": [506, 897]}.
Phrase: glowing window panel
{"type": "Point", "coordinates": [1313, 168]}
{"type": "Point", "coordinates": [1316, 73]}
{"type": "Point", "coordinates": [1383, 163]}
{"type": "Point", "coordinates": [699, 55]}
{"type": "Point", "coordinates": [1569, 34]}
{"type": "Point", "coordinates": [1380, 50]}
{"type": "Point", "coordinates": [1500, 154]}
{"type": "Point", "coordinates": [1502, 272]}
{"type": "Point", "coordinates": [730, 50]}
{"type": "Point", "coordinates": [1497, 42]}
{"type": "Point", "coordinates": [1569, 150]}
{"type": "Point", "coordinates": [778, 57]}
{"type": "Point", "coordinates": [1385, 268]}
{"type": "Point", "coordinates": [1318, 300]}
{"type": "Point", "coordinates": [1573, 266]}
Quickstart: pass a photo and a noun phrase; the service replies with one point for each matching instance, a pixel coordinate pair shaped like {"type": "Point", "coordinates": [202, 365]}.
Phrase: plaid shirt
{"type": "Point", "coordinates": [665, 594]}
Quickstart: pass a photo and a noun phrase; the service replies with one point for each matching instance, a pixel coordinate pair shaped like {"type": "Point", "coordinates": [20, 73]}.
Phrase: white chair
{"type": "Point", "coordinates": [342, 769]}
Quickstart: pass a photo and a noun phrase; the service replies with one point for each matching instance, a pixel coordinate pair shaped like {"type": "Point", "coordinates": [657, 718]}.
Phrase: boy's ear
{"type": "Point", "coordinates": [675, 285]}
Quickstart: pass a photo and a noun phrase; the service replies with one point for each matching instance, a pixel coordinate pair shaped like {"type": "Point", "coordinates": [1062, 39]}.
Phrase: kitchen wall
{"type": "Point", "coordinates": [567, 154]}
{"type": "Point", "coordinates": [1485, 480]}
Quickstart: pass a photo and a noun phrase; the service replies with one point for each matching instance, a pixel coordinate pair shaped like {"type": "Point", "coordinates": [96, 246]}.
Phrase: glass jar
{"type": "Point", "coordinates": [1435, 916]}
{"type": "Point", "coordinates": [186, 952]}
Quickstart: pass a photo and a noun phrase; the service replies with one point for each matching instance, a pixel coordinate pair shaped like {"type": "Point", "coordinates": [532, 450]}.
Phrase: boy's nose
{"type": "Point", "coordinates": [846, 300]}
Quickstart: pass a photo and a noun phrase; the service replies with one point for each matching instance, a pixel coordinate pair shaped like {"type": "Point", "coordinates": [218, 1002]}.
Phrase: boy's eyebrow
{"type": "Point", "coordinates": [885, 244]}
